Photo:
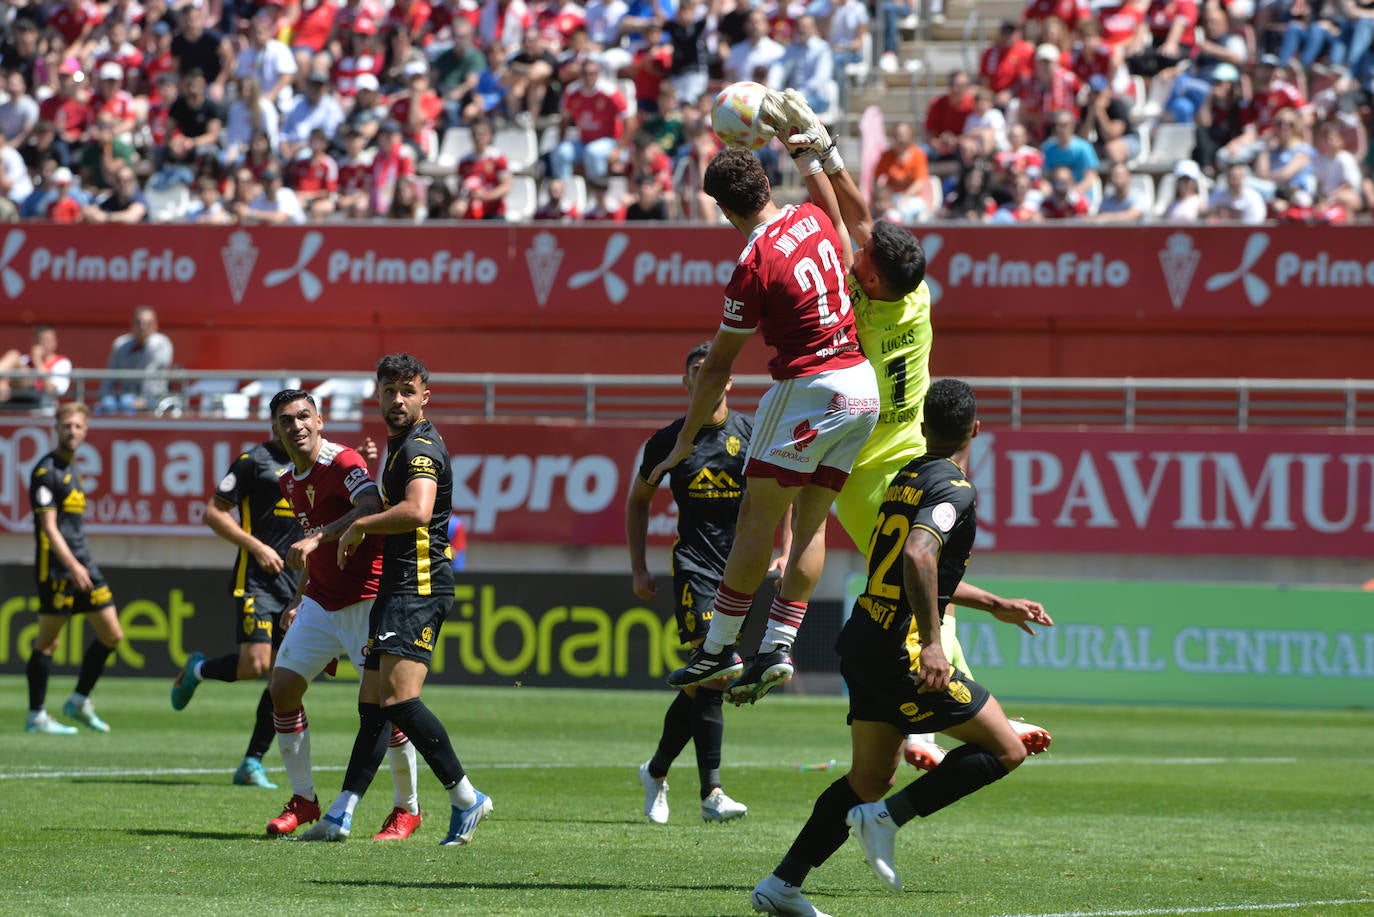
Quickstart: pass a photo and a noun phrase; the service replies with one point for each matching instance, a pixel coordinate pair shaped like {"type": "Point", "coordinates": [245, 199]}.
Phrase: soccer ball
{"type": "Point", "coordinates": [735, 116]}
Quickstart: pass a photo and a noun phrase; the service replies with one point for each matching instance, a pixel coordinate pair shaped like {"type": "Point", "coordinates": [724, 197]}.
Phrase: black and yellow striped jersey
{"type": "Point", "coordinates": [251, 487]}
{"type": "Point", "coordinates": [418, 562]}
{"type": "Point", "coordinates": [929, 494]}
{"type": "Point", "coordinates": [55, 486]}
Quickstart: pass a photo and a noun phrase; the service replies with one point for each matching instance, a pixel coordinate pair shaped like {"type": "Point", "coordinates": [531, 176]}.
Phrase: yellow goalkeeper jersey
{"type": "Point", "coordinates": [896, 338]}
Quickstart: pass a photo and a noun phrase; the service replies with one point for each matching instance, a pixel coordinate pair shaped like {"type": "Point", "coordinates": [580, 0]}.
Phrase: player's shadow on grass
{"type": "Point", "coordinates": [189, 835]}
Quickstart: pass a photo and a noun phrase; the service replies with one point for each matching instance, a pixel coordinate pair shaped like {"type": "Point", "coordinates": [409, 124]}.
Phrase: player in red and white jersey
{"type": "Point", "coordinates": [790, 284]}
{"type": "Point", "coordinates": [328, 486]}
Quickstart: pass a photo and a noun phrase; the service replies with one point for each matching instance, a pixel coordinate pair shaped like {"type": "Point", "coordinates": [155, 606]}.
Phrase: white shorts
{"type": "Point", "coordinates": [317, 636]}
{"type": "Point", "coordinates": [810, 430]}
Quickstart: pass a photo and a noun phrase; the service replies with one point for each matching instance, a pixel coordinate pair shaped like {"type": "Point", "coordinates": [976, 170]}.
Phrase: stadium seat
{"type": "Point", "coordinates": [343, 398]}
{"type": "Point", "coordinates": [217, 398]}
{"type": "Point", "coordinates": [456, 144]}
{"type": "Point", "coordinates": [520, 146]}
{"type": "Point", "coordinates": [520, 203]}
{"type": "Point", "coordinates": [1144, 185]}
{"type": "Point", "coordinates": [617, 185]}
{"type": "Point", "coordinates": [167, 205]}
{"type": "Point", "coordinates": [264, 389]}
{"type": "Point", "coordinates": [1170, 143]}
{"type": "Point", "coordinates": [576, 189]}
{"type": "Point", "coordinates": [859, 72]}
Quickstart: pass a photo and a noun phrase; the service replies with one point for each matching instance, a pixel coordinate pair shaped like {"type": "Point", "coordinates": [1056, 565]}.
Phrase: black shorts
{"type": "Point", "coordinates": [695, 595]}
{"type": "Point", "coordinates": [406, 626]}
{"type": "Point", "coordinates": [259, 620]}
{"type": "Point", "coordinates": [61, 597]}
{"type": "Point", "coordinates": [884, 693]}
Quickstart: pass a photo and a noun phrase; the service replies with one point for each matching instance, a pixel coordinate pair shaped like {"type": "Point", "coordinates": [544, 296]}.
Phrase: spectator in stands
{"type": "Point", "coordinates": [259, 157]}
{"type": "Point", "coordinates": [1007, 61]}
{"type": "Point", "coordinates": [484, 178]}
{"type": "Point", "coordinates": [19, 111]}
{"type": "Point", "coordinates": [122, 204]}
{"type": "Point", "coordinates": [1069, 13]}
{"type": "Point", "coordinates": [440, 202]}
{"type": "Point", "coordinates": [406, 203]}
{"type": "Point", "coordinates": [1286, 159]}
{"type": "Point", "coordinates": [68, 108]}
{"type": "Point", "coordinates": [1124, 28]}
{"type": "Point", "coordinates": [603, 204]}
{"type": "Point", "coordinates": [103, 155]}
{"type": "Point", "coordinates": [316, 108]}
{"type": "Point", "coordinates": [1107, 121]}
{"type": "Point", "coordinates": [112, 103]}
{"type": "Point", "coordinates": [158, 62]}
{"type": "Point", "coordinates": [1272, 94]}
{"type": "Point", "coordinates": [971, 200]}
{"type": "Point", "coordinates": [1186, 207]}
{"type": "Point", "coordinates": [197, 47]}
{"type": "Point", "coordinates": [43, 143]}
{"type": "Point", "coordinates": [1172, 29]}
{"type": "Point", "coordinates": [947, 115]}
{"type": "Point", "coordinates": [144, 349]}
{"type": "Point", "coordinates": [248, 114]}
{"type": "Point", "coordinates": [269, 60]}
{"type": "Point", "coordinates": [1020, 156]}
{"type": "Point", "coordinates": [1121, 203]}
{"type": "Point", "coordinates": [603, 21]}
{"type": "Point", "coordinates": [15, 183]}
{"type": "Point", "coordinates": [311, 22]}
{"type": "Point", "coordinates": [646, 157]}
{"type": "Point", "coordinates": [368, 111]}
{"type": "Point", "coordinates": [1066, 148]}
{"type": "Point", "coordinates": [1221, 50]}
{"type": "Point", "coordinates": [1221, 119]}
{"type": "Point", "coordinates": [21, 52]}
{"type": "Point", "coordinates": [690, 31]}
{"type": "Point", "coordinates": [666, 127]}
{"type": "Point", "coordinates": [503, 22]}
{"type": "Point", "coordinates": [456, 72]}
{"type": "Point", "coordinates": [195, 121]}
{"type": "Point", "coordinates": [759, 57]}
{"type": "Point", "coordinates": [1090, 56]}
{"type": "Point", "coordinates": [274, 203]}
{"type": "Point", "coordinates": [986, 128]}
{"type": "Point", "coordinates": [593, 122]}
{"type": "Point", "coordinates": [207, 206]}
{"type": "Point", "coordinates": [314, 178]}
{"type": "Point", "coordinates": [355, 176]}
{"type": "Point", "coordinates": [55, 197]}
{"type": "Point", "coordinates": [809, 65]}
{"type": "Point", "coordinates": [1314, 26]}
{"type": "Point", "coordinates": [1050, 90]}
{"type": "Point", "coordinates": [1359, 39]}
{"type": "Point", "coordinates": [1335, 170]}
{"type": "Point", "coordinates": [75, 21]}
{"type": "Point", "coordinates": [50, 373]}
{"type": "Point", "coordinates": [1235, 200]}
{"type": "Point", "coordinates": [558, 205]}
{"type": "Point", "coordinates": [1065, 201]}
{"type": "Point", "coordinates": [531, 86]}
{"type": "Point", "coordinates": [1023, 206]}
{"type": "Point", "coordinates": [649, 202]}
{"type": "Point", "coordinates": [650, 65]}
{"type": "Point", "coordinates": [489, 97]}
{"type": "Point", "coordinates": [358, 50]}
{"type": "Point", "coordinates": [392, 164]}
{"type": "Point", "coordinates": [904, 171]}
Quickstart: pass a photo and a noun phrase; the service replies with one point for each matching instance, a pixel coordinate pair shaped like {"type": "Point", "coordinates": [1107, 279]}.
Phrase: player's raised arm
{"type": "Point", "coordinates": [809, 144]}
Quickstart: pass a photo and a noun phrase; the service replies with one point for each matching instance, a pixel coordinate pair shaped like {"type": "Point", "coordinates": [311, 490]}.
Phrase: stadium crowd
{"type": "Point", "coordinates": [230, 111]}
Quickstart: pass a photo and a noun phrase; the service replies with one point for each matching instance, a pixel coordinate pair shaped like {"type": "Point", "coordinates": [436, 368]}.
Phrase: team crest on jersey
{"type": "Point", "coordinates": [943, 516]}
{"type": "Point", "coordinates": [310, 494]}
{"type": "Point", "coordinates": [959, 692]}
{"type": "Point", "coordinates": [733, 444]}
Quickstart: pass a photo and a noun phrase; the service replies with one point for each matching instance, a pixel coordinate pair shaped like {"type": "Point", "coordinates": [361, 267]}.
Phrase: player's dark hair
{"type": "Point", "coordinates": [400, 367]}
{"type": "Point", "coordinates": [288, 395]}
{"type": "Point", "coordinates": [898, 257]}
{"type": "Point", "coordinates": [950, 410]}
{"type": "Point", "coordinates": [698, 352]}
{"type": "Point", "coordinates": [735, 179]}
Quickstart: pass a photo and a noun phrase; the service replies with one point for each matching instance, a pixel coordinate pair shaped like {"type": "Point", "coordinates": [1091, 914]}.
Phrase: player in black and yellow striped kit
{"type": "Point", "coordinates": [69, 582]}
{"type": "Point", "coordinates": [261, 584]}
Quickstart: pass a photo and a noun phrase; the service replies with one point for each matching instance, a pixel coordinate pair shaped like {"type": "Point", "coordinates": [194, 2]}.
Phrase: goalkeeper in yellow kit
{"type": "Point", "coordinates": [896, 336]}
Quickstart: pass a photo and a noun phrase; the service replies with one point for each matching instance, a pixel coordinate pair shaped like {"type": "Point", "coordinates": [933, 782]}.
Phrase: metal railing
{"type": "Point", "coordinates": [1010, 403]}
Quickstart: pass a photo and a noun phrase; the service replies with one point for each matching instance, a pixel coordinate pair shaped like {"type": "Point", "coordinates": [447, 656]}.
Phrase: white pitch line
{"type": "Point", "coordinates": [1043, 761]}
{"type": "Point", "coordinates": [1217, 909]}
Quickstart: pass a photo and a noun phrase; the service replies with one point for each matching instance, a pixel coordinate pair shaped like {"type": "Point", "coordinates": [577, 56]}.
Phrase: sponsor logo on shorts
{"type": "Point", "coordinates": [959, 692]}
{"type": "Point", "coordinates": [803, 435]}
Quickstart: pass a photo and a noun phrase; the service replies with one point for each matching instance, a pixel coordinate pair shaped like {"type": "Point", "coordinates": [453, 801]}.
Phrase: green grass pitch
{"type": "Point", "coordinates": [1134, 811]}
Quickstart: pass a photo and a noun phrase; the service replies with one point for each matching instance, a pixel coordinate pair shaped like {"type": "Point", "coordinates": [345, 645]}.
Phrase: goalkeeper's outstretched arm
{"type": "Point", "coordinates": [853, 208]}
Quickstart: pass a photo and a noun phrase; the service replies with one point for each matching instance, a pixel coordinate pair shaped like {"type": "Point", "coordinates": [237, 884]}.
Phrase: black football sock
{"type": "Point", "coordinates": [824, 833]}
{"type": "Point", "coordinates": [92, 666]}
{"type": "Point", "coordinates": [221, 668]}
{"type": "Point", "coordinates": [964, 770]}
{"type": "Point", "coordinates": [429, 737]}
{"type": "Point", "coordinates": [708, 732]}
{"type": "Point", "coordinates": [263, 729]}
{"type": "Point", "coordinates": [369, 748]}
{"type": "Point", "coordinates": [677, 732]}
{"type": "Point", "coordinates": [38, 670]}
